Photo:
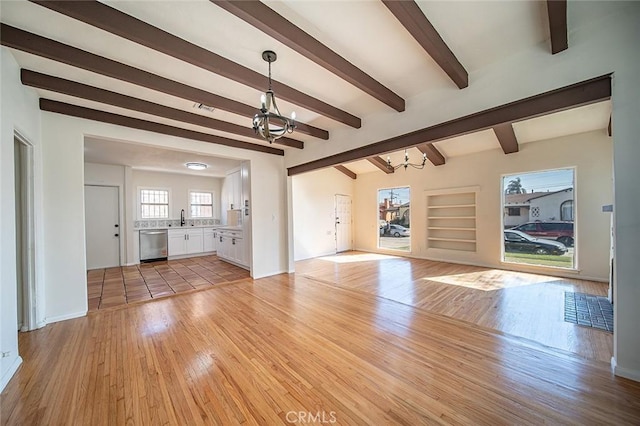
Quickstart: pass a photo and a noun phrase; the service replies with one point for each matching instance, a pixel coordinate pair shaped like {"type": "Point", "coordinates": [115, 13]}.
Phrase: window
{"type": "Point", "coordinates": [514, 211]}
{"type": "Point", "coordinates": [154, 204]}
{"type": "Point", "coordinates": [566, 210]}
{"type": "Point", "coordinates": [201, 204]}
{"type": "Point", "coordinates": [394, 219]}
{"type": "Point", "coordinates": [547, 214]}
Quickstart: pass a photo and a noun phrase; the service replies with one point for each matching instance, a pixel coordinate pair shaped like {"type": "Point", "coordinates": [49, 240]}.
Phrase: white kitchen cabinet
{"type": "Point", "coordinates": [176, 242]}
{"type": "Point", "coordinates": [233, 186]}
{"type": "Point", "coordinates": [185, 241]}
{"type": "Point", "coordinates": [194, 241]}
{"type": "Point", "coordinates": [210, 239]}
{"type": "Point", "coordinates": [231, 247]}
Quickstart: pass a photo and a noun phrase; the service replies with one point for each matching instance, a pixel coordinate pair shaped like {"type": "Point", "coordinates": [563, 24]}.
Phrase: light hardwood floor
{"type": "Point", "coordinates": [521, 304]}
{"type": "Point", "coordinates": [254, 352]}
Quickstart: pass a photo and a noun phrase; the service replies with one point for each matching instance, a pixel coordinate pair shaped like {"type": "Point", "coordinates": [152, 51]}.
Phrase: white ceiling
{"type": "Point", "coordinates": [480, 33]}
{"type": "Point", "coordinates": [144, 157]}
{"type": "Point", "coordinates": [570, 122]}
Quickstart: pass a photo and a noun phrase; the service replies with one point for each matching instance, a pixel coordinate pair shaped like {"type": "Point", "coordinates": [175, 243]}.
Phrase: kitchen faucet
{"type": "Point", "coordinates": [182, 217]}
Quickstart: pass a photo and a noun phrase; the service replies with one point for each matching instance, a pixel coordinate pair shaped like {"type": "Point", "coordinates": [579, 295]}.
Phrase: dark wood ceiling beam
{"type": "Point", "coordinates": [507, 137]}
{"type": "Point", "coordinates": [346, 171]}
{"type": "Point", "coordinates": [436, 158]}
{"type": "Point", "coordinates": [112, 20]}
{"type": "Point", "coordinates": [278, 27]}
{"type": "Point", "coordinates": [413, 19]}
{"type": "Point", "coordinates": [16, 38]}
{"type": "Point", "coordinates": [79, 90]}
{"type": "Point", "coordinates": [136, 123]}
{"type": "Point", "coordinates": [380, 163]}
{"type": "Point", "coordinates": [583, 93]}
{"type": "Point", "coordinates": [557, 12]}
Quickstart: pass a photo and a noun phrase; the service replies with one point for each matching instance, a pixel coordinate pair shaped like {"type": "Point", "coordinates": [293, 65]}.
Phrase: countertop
{"type": "Point", "coordinates": [151, 228]}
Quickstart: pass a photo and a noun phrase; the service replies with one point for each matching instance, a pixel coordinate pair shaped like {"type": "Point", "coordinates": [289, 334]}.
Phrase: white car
{"type": "Point", "coordinates": [395, 231]}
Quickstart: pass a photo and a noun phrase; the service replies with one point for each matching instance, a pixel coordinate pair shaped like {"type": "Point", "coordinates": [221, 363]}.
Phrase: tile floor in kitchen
{"type": "Point", "coordinates": [127, 284]}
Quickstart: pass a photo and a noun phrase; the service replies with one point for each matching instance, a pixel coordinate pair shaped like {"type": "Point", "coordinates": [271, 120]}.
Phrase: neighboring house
{"type": "Point", "coordinates": [538, 206]}
{"type": "Point", "coordinates": [391, 213]}
{"type": "Point", "coordinates": [388, 211]}
{"type": "Point", "coordinates": [404, 214]}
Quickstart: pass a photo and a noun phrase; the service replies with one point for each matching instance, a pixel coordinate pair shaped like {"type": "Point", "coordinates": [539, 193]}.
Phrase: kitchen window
{"type": "Point", "coordinates": [154, 204]}
{"type": "Point", "coordinates": [201, 204]}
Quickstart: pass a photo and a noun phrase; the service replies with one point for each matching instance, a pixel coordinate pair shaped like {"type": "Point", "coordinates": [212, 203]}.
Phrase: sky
{"type": "Point", "coordinates": [400, 195]}
{"type": "Point", "coordinates": [552, 180]}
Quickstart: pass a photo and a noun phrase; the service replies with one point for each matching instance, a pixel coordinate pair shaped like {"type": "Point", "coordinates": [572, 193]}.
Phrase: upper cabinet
{"type": "Point", "coordinates": [233, 184]}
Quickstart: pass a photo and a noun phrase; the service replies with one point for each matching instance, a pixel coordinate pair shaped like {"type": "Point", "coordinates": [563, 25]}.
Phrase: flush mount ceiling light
{"type": "Point", "coordinates": [269, 123]}
{"type": "Point", "coordinates": [406, 162]}
{"type": "Point", "coordinates": [196, 166]}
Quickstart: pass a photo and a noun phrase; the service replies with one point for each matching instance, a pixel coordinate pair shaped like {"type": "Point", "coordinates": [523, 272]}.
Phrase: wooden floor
{"type": "Point", "coordinates": [121, 285]}
{"type": "Point", "coordinates": [521, 304]}
{"type": "Point", "coordinates": [277, 349]}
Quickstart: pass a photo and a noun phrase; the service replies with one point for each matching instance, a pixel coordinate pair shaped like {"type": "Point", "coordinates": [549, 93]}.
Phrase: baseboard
{"type": "Point", "coordinates": [66, 317]}
{"type": "Point", "coordinates": [270, 274]}
{"type": "Point", "coordinates": [10, 372]}
{"type": "Point", "coordinates": [624, 372]}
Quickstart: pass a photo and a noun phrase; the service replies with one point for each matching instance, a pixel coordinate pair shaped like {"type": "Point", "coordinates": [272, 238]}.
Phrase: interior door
{"type": "Point", "coordinates": [102, 221]}
{"type": "Point", "coordinates": [343, 223]}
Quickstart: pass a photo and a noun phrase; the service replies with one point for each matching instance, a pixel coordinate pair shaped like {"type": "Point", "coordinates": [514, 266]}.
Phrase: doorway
{"type": "Point", "coordinates": [25, 240]}
{"type": "Point", "coordinates": [343, 223]}
{"type": "Point", "coordinates": [102, 223]}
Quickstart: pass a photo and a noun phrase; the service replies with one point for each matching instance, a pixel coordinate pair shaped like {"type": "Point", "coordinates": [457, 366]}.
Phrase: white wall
{"type": "Point", "coordinates": [18, 112]}
{"type": "Point", "coordinates": [65, 266]}
{"type": "Point", "coordinates": [313, 197]}
{"type": "Point", "coordinates": [179, 186]}
{"type": "Point", "coordinates": [590, 153]}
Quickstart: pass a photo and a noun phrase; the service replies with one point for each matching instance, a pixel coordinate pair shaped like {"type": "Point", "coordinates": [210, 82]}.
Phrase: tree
{"type": "Point", "coordinates": [515, 187]}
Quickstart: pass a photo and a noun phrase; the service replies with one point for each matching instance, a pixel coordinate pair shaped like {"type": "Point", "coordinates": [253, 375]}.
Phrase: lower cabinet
{"type": "Point", "coordinates": [228, 243]}
{"type": "Point", "coordinates": [185, 241]}
{"type": "Point", "coordinates": [210, 236]}
{"type": "Point", "coordinates": [231, 247]}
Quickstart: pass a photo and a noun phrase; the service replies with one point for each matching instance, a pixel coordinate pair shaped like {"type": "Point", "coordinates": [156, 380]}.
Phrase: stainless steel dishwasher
{"type": "Point", "coordinates": [153, 245]}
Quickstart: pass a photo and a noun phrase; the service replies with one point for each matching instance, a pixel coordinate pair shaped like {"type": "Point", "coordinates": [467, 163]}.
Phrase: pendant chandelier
{"type": "Point", "coordinates": [269, 123]}
{"type": "Point", "coordinates": [406, 162]}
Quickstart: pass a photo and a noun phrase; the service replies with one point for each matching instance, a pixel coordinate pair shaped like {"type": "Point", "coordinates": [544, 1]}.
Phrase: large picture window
{"type": "Point", "coordinates": [543, 233]}
{"type": "Point", "coordinates": [394, 218]}
{"type": "Point", "coordinates": [154, 204]}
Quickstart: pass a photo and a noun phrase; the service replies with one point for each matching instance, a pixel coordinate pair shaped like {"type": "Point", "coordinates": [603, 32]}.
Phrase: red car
{"type": "Point", "coordinates": [559, 231]}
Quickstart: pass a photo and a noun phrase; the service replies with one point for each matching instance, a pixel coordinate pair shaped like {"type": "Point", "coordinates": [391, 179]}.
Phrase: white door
{"type": "Point", "coordinates": [102, 222]}
{"type": "Point", "coordinates": [343, 223]}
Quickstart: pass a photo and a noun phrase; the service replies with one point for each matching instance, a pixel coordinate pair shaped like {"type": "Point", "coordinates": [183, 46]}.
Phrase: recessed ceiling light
{"type": "Point", "coordinates": [196, 166]}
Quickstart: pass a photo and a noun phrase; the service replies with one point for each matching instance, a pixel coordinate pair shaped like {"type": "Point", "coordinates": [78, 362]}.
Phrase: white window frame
{"type": "Point", "coordinates": [377, 210]}
{"type": "Point", "coordinates": [139, 203]}
{"type": "Point", "coordinates": [576, 266]}
{"type": "Point", "coordinates": [213, 203]}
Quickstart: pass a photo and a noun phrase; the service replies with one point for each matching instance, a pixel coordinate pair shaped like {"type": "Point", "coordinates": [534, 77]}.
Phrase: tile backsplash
{"type": "Point", "coordinates": [170, 223]}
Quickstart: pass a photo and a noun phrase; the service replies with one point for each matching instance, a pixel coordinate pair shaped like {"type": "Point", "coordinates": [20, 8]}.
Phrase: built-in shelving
{"type": "Point", "coordinates": [451, 219]}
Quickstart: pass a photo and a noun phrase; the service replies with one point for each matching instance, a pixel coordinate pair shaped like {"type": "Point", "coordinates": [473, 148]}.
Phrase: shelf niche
{"type": "Point", "coordinates": [451, 219]}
